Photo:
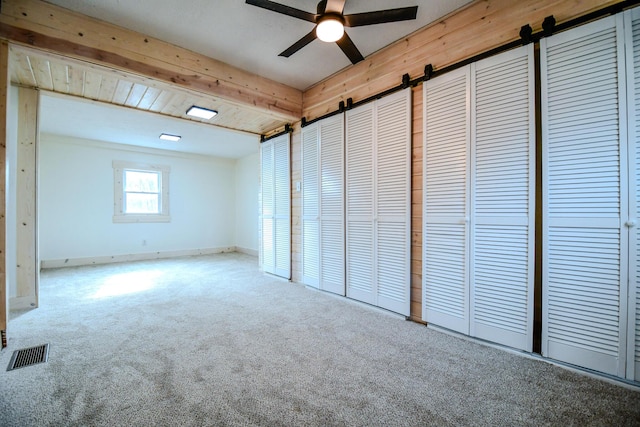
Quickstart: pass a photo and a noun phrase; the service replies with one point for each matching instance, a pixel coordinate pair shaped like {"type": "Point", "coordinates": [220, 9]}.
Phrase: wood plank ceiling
{"type": "Point", "coordinates": [44, 71]}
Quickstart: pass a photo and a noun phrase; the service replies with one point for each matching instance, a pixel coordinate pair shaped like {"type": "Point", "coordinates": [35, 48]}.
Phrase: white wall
{"type": "Point", "coordinates": [11, 176]}
{"type": "Point", "coordinates": [76, 201]}
{"type": "Point", "coordinates": [247, 188]}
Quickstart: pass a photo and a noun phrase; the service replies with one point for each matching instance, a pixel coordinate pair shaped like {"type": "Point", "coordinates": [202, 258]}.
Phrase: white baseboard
{"type": "Point", "coordinates": [75, 262]}
{"type": "Point", "coordinates": [21, 303]}
{"type": "Point", "coordinates": [252, 252]}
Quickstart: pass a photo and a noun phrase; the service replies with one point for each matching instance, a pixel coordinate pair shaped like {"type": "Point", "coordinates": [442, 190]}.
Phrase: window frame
{"type": "Point", "coordinates": [119, 170]}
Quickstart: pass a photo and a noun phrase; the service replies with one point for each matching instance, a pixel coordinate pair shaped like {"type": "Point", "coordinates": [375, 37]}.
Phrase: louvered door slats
{"type": "Point", "coordinates": [281, 176]}
{"type": "Point", "coordinates": [602, 158]}
{"type": "Point", "coordinates": [282, 221]}
{"type": "Point", "coordinates": [267, 208]}
{"type": "Point", "coordinates": [566, 70]}
{"type": "Point", "coordinates": [267, 179]}
{"type": "Point", "coordinates": [393, 204]}
{"type": "Point", "coordinates": [360, 277]}
{"type": "Point", "coordinates": [446, 148]}
{"type": "Point", "coordinates": [479, 177]}
{"type": "Point", "coordinates": [268, 256]}
{"type": "Point", "coordinates": [310, 253]}
{"type": "Point", "coordinates": [502, 199]}
{"type": "Point", "coordinates": [601, 92]}
{"type": "Point", "coordinates": [332, 168]}
{"type": "Point", "coordinates": [576, 328]}
{"type": "Point", "coordinates": [632, 25]}
{"type": "Point", "coordinates": [283, 246]}
{"type": "Point", "coordinates": [360, 203]}
{"type": "Point", "coordinates": [333, 256]}
{"type": "Point", "coordinates": [378, 202]}
{"type": "Point", "coordinates": [310, 207]}
{"type": "Point", "coordinates": [584, 260]}
{"type": "Point", "coordinates": [332, 205]}
{"type": "Point", "coordinates": [445, 271]}
{"type": "Point", "coordinates": [275, 247]}
{"type": "Point", "coordinates": [310, 192]}
{"type": "Point", "coordinates": [360, 163]}
{"type": "Point", "coordinates": [578, 47]}
{"type": "Point", "coordinates": [392, 267]}
{"type": "Point", "coordinates": [445, 289]}
{"type": "Point", "coordinates": [322, 205]}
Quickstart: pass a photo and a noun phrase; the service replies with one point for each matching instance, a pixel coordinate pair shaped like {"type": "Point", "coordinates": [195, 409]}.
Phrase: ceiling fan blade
{"type": "Point", "coordinates": [350, 49]}
{"type": "Point", "coordinates": [321, 7]}
{"type": "Point", "coordinates": [335, 6]}
{"type": "Point", "coordinates": [299, 44]}
{"type": "Point", "coordinates": [381, 16]}
{"type": "Point", "coordinates": [285, 10]}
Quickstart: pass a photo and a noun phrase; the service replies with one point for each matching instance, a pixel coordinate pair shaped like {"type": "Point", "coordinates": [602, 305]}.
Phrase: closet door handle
{"type": "Point", "coordinates": [631, 223]}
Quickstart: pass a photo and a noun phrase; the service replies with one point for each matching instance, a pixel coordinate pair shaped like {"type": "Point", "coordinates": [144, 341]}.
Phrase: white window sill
{"type": "Point", "coordinates": [141, 218]}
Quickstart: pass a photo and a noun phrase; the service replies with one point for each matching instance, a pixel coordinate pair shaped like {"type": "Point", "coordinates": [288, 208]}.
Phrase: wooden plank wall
{"type": "Point", "coordinates": [27, 268]}
{"type": "Point", "coordinates": [416, 206]}
{"type": "Point", "coordinates": [296, 204]}
{"type": "Point", "coordinates": [476, 28]}
{"type": "Point", "coordinates": [4, 94]}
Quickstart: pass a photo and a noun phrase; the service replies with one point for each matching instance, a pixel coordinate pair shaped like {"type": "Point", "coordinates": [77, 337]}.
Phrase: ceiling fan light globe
{"type": "Point", "coordinates": [330, 30]}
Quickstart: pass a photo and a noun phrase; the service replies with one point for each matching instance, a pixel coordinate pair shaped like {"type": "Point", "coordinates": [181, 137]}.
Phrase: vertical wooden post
{"type": "Point", "coordinates": [4, 93]}
{"type": "Point", "coordinates": [26, 250]}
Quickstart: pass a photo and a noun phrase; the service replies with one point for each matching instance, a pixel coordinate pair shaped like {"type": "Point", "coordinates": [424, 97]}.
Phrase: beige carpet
{"type": "Point", "coordinates": [210, 341]}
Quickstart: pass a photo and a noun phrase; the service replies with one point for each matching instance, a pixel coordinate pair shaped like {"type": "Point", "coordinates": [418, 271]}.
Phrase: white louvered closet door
{"type": "Point", "coordinates": [275, 215]}
{"type": "Point", "coordinates": [479, 195]}
{"type": "Point", "coordinates": [282, 213]}
{"type": "Point", "coordinates": [445, 199]}
{"type": "Point", "coordinates": [392, 217]}
{"type": "Point", "coordinates": [332, 252]}
{"type": "Point", "coordinates": [503, 198]}
{"type": "Point", "coordinates": [360, 203]}
{"type": "Point", "coordinates": [378, 202]}
{"type": "Point", "coordinates": [310, 206]}
{"type": "Point", "coordinates": [585, 262]}
{"type": "Point", "coordinates": [267, 208]}
{"type": "Point", "coordinates": [632, 33]}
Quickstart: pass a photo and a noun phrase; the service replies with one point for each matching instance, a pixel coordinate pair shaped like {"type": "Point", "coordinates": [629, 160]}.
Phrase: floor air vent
{"type": "Point", "coordinates": [29, 356]}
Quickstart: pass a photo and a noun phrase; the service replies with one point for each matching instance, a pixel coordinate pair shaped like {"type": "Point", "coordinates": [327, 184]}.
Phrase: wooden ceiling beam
{"type": "Point", "coordinates": [57, 30]}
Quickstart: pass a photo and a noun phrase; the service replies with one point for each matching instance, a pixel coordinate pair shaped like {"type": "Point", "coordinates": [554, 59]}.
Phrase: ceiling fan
{"type": "Point", "coordinates": [330, 23]}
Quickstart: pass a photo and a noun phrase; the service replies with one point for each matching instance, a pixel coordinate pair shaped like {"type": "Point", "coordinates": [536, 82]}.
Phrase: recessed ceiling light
{"type": "Point", "coordinates": [203, 113]}
{"type": "Point", "coordinates": [169, 137]}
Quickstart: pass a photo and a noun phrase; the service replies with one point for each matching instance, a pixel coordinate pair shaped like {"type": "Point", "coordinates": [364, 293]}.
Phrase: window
{"type": "Point", "coordinates": [141, 192]}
